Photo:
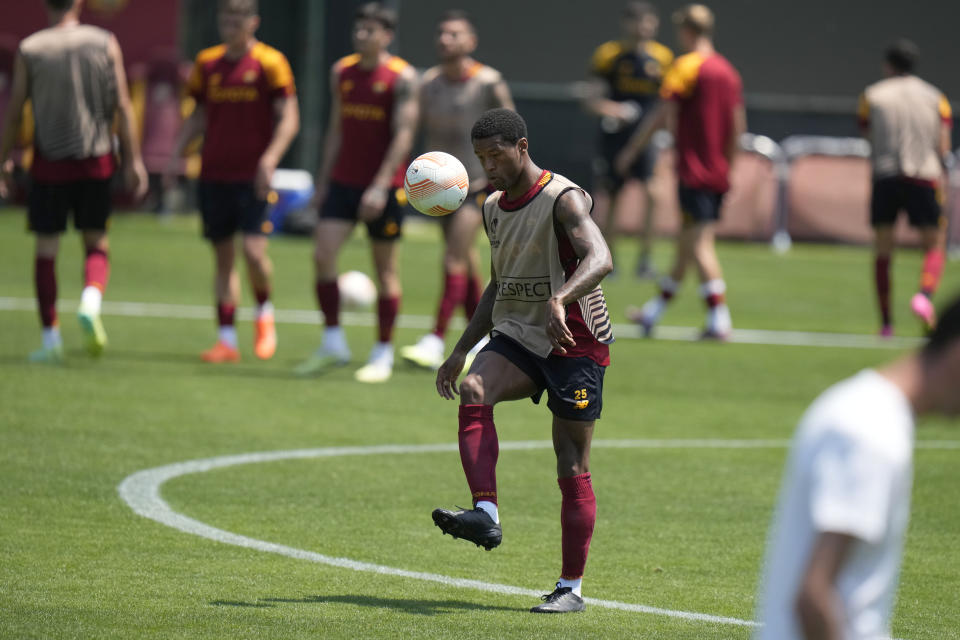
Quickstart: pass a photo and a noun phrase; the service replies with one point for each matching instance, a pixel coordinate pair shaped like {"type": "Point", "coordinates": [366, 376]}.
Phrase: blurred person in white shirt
{"type": "Point", "coordinates": [833, 555]}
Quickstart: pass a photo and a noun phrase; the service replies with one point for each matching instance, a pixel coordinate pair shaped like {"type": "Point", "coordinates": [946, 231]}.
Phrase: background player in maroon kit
{"type": "Point", "coordinates": [248, 115]}
{"type": "Point", "coordinates": [703, 95]}
{"type": "Point", "coordinates": [373, 117]}
{"type": "Point", "coordinates": [74, 77]}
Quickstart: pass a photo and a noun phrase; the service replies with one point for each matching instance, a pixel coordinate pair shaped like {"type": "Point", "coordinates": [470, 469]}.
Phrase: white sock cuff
{"type": "Point", "coordinates": [713, 288]}
{"type": "Point", "coordinates": [333, 332]}
{"type": "Point", "coordinates": [668, 284]}
{"type": "Point", "coordinates": [90, 299]}
{"type": "Point", "coordinates": [575, 585]}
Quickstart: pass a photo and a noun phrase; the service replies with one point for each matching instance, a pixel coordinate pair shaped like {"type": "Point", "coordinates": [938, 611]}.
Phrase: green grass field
{"type": "Point", "coordinates": [678, 528]}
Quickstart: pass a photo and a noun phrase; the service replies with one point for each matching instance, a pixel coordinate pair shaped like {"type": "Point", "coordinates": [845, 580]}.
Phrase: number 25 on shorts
{"type": "Point", "coordinates": [580, 396]}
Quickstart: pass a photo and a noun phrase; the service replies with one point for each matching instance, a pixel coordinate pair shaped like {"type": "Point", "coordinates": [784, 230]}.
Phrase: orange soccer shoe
{"type": "Point", "coordinates": [221, 352]}
{"type": "Point", "coordinates": [265, 337]}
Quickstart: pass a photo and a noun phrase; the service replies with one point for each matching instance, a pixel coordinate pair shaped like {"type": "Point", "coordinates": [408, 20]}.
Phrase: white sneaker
{"type": "Point", "coordinates": [427, 353]}
{"type": "Point", "coordinates": [719, 325]}
{"type": "Point", "coordinates": [472, 354]}
{"type": "Point", "coordinates": [380, 366]}
{"type": "Point", "coordinates": [648, 315]}
{"type": "Point", "coordinates": [331, 354]}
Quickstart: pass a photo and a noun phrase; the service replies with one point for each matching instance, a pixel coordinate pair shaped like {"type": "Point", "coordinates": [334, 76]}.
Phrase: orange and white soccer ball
{"type": "Point", "coordinates": [357, 291]}
{"type": "Point", "coordinates": [436, 183]}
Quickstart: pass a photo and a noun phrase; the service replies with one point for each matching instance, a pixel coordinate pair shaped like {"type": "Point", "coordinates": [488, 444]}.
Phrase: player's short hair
{"type": "Point", "coordinates": [60, 5]}
{"type": "Point", "coordinates": [637, 10]}
{"type": "Point", "coordinates": [377, 12]}
{"type": "Point", "coordinates": [902, 55]}
{"type": "Point", "coordinates": [458, 15]}
{"type": "Point", "coordinates": [946, 333]}
{"type": "Point", "coordinates": [697, 18]}
{"type": "Point", "coordinates": [246, 7]}
{"type": "Point", "coordinates": [502, 122]}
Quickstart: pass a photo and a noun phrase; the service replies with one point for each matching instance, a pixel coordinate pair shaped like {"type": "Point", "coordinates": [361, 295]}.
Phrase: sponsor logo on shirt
{"type": "Point", "coordinates": [530, 289]}
{"type": "Point", "coordinates": [363, 111]}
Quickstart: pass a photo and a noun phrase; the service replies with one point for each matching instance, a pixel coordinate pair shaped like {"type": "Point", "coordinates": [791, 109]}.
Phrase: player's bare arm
{"type": "Point", "coordinates": [480, 325]}
{"type": "Point", "coordinates": [134, 172]}
{"type": "Point", "coordinates": [191, 129]}
{"type": "Point", "coordinates": [11, 123]}
{"type": "Point", "coordinates": [288, 125]}
{"type": "Point", "coordinates": [331, 143]}
{"type": "Point", "coordinates": [662, 117]}
{"type": "Point", "coordinates": [406, 111]}
{"type": "Point", "coordinates": [597, 102]}
{"type": "Point", "coordinates": [737, 129]}
{"type": "Point", "coordinates": [573, 214]}
{"type": "Point", "coordinates": [817, 602]}
{"type": "Point", "coordinates": [946, 140]}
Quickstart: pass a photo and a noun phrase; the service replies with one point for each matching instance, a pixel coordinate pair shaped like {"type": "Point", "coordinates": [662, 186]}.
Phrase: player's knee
{"type": "Point", "coordinates": [571, 463]}
{"type": "Point", "coordinates": [253, 253]}
{"type": "Point", "coordinates": [471, 390]}
{"type": "Point", "coordinates": [323, 260]}
{"type": "Point", "coordinates": [454, 263]}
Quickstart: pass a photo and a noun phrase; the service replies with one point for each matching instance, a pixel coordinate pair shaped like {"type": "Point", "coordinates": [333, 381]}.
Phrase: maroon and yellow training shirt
{"type": "Point", "coordinates": [238, 96]}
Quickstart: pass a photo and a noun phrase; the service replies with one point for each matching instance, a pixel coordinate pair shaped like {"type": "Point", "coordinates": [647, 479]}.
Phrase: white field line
{"type": "Point", "coordinates": [407, 321]}
{"type": "Point", "coordinates": [141, 491]}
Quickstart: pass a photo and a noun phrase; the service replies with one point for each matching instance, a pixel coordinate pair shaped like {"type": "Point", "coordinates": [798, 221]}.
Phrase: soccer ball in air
{"type": "Point", "coordinates": [357, 291]}
{"type": "Point", "coordinates": [436, 183]}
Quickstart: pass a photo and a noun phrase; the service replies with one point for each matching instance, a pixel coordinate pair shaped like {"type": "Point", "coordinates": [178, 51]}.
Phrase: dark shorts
{"type": "Point", "coordinates": [49, 205]}
{"type": "Point", "coordinates": [893, 195]}
{"type": "Point", "coordinates": [342, 203]}
{"type": "Point", "coordinates": [699, 205]}
{"type": "Point", "coordinates": [229, 207]}
{"type": "Point", "coordinates": [606, 176]}
{"type": "Point", "coordinates": [574, 386]}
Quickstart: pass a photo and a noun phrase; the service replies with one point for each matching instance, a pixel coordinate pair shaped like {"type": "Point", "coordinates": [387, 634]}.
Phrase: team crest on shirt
{"type": "Point", "coordinates": [652, 68]}
{"type": "Point", "coordinates": [215, 79]}
{"type": "Point", "coordinates": [250, 76]}
{"type": "Point", "coordinates": [346, 86]}
{"type": "Point", "coordinates": [379, 86]}
{"type": "Point", "coordinates": [492, 233]}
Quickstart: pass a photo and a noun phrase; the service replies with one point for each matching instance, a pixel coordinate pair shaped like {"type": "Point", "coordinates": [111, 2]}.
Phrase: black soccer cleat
{"type": "Point", "coordinates": [474, 525]}
{"type": "Point", "coordinates": [562, 600]}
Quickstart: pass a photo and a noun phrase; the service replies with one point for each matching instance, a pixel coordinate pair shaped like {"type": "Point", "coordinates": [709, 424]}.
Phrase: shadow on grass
{"type": "Point", "coordinates": [239, 603]}
{"type": "Point", "coordinates": [416, 607]}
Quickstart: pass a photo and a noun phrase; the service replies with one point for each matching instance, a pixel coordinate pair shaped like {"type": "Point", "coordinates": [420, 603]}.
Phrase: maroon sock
{"type": "Point", "coordinates": [96, 269]}
{"type": "Point", "coordinates": [454, 294]}
{"type": "Point", "coordinates": [881, 274]}
{"type": "Point", "coordinates": [578, 513]}
{"type": "Point", "coordinates": [45, 281]}
{"type": "Point", "coordinates": [932, 270]}
{"type": "Point", "coordinates": [328, 297]}
{"type": "Point", "coordinates": [479, 449]}
{"type": "Point", "coordinates": [225, 314]}
{"type": "Point", "coordinates": [387, 309]}
{"type": "Point", "coordinates": [262, 296]}
{"type": "Point", "coordinates": [714, 300]}
{"type": "Point", "coordinates": [472, 300]}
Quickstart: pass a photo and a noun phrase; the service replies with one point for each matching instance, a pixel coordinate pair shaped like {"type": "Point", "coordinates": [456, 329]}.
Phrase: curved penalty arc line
{"type": "Point", "coordinates": [141, 492]}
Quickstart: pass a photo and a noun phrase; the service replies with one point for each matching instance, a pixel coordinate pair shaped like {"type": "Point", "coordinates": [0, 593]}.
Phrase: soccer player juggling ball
{"type": "Point", "coordinates": [550, 331]}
